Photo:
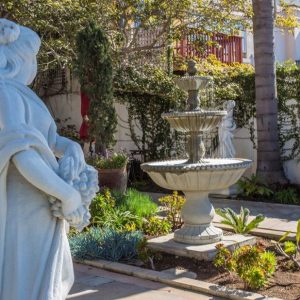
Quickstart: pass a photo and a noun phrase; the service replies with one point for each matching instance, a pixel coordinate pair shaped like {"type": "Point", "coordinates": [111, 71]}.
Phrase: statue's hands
{"type": "Point", "coordinates": [84, 182]}
{"type": "Point", "coordinates": [71, 204]}
{"type": "Point", "coordinates": [72, 163]}
{"type": "Point", "coordinates": [76, 218]}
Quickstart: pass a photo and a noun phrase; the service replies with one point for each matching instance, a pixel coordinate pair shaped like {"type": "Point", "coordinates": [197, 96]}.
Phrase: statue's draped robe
{"type": "Point", "coordinates": [35, 259]}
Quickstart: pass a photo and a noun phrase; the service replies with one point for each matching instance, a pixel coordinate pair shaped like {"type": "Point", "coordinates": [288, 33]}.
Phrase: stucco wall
{"type": "Point", "coordinates": [68, 107]}
{"type": "Point", "coordinates": [287, 45]}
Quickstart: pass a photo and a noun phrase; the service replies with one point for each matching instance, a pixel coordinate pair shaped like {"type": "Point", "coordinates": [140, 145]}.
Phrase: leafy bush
{"type": "Point", "coordinates": [254, 187]}
{"type": "Point", "coordinates": [138, 203]}
{"type": "Point", "coordinates": [289, 249]}
{"type": "Point", "coordinates": [106, 244]}
{"type": "Point", "coordinates": [287, 196]}
{"type": "Point", "coordinates": [156, 226]}
{"type": "Point", "coordinates": [104, 213]}
{"type": "Point", "coordinates": [252, 264]}
{"type": "Point", "coordinates": [115, 161]}
{"type": "Point", "coordinates": [239, 223]}
{"type": "Point", "coordinates": [173, 204]}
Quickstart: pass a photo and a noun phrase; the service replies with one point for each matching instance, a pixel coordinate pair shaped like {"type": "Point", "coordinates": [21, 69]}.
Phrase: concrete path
{"type": "Point", "coordinates": [96, 284]}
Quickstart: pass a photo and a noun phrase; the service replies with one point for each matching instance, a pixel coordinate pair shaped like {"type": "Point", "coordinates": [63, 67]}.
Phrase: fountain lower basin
{"type": "Point", "coordinates": [197, 180]}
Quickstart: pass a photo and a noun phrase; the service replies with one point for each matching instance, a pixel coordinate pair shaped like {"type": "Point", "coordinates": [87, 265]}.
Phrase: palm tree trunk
{"type": "Point", "coordinates": [269, 164]}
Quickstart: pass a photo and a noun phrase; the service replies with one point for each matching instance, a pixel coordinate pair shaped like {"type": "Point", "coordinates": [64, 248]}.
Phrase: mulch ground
{"type": "Point", "coordinates": [285, 283]}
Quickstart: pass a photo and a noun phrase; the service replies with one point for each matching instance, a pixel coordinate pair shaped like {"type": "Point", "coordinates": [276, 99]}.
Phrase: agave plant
{"type": "Point", "coordinates": [239, 222]}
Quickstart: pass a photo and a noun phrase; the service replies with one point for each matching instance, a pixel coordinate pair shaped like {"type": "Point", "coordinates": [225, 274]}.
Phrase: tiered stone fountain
{"type": "Point", "coordinates": [197, 175]}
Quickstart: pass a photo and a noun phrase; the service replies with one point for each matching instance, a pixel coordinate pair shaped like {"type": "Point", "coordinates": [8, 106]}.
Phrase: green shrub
{"type": "Point", "coordinates": [173, 204]}
{"type": "Point", "coordinates": [115, 161]}
{"type": "Point", "coordinates": [106, 244]}
{"type": "Point", "coordinates": [252, 264]}
{"type": "Point", "coordinates": [104, 213]}
{"type": "Point", "coordinates": [254, 187]}
{"type": "Point", "coordinates": [156, 226]}
{"type": "Point", "coordinates": [239, 223]}
{"type": "Point", "coordinates": [138, 203]}
{"type": "Point", "coordinates": [287, 196]}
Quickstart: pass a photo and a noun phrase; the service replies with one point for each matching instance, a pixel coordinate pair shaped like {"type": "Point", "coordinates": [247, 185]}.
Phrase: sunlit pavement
{"type": "Point", "coordinates": [92, 283]}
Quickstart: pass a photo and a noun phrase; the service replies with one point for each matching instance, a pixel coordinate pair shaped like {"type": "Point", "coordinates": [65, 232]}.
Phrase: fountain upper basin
{"type": "Point", "coordinates": [212, 174]}
{"type": "Point", "coordinates": [192, 83]}
{"type": "Point", "coordinates": [194, 121]}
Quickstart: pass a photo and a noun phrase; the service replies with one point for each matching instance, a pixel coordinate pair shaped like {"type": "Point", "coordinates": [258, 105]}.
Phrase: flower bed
{"type": "Point", "coordinates": [285, 283]}
{"type": "Point", "coordinates": [121, 225]}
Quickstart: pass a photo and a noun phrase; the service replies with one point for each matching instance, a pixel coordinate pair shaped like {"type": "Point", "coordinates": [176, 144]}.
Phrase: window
{"type": "Point", "coordinates": [244, 43]}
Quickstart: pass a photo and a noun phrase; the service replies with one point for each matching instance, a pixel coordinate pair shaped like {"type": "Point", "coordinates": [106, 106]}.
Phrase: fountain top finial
{"type": "Point", "coordinates": [192, 69]}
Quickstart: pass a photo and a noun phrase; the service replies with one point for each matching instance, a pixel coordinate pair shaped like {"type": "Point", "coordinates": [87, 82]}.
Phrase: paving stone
{"type": "Point", "coordinates": [129, 288]}
{"type": "Point", "coordinates": [92, 280]}
{"type": "Point", "coordinates": [178, 273]}
{"type": "Point", "coordinates": [167, 244]}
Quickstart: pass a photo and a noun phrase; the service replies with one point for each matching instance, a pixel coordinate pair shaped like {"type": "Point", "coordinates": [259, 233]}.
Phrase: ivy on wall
{"type": "Point", "coordinates": [288, 88]}
{"type": "Point", "coordinates": [147, 92]}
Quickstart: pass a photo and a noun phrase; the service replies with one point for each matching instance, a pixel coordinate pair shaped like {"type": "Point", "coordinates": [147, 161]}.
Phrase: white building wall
{"type": "Point", "coordinates": [68, 106]}
{"type": "Point", "coordinates": [282, 45]}
{"type": "Point", "coordinates": [245, 149]}
{"type": "Point", "coordinates": [124, 142]}
{"type": "Point", "coordinates": [287, 44]}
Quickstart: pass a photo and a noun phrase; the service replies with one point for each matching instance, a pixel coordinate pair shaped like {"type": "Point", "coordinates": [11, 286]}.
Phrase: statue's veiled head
{"type": "Point", "coordinates": [19, 46]}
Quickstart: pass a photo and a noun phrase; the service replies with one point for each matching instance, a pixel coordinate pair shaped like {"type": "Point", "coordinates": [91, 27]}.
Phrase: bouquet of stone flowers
{"type": "Point", "coordinates": [86, 183]}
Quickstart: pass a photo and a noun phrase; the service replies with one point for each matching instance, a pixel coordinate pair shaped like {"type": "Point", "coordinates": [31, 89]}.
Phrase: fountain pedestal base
{"type": "Point", "coordinates": [198, 234]}
{"type": "Point", "coordinates": [197, 214]}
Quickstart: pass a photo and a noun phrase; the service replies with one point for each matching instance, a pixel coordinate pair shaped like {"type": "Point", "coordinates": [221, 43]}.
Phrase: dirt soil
{"type": "Point", "coordinates": [285, 283]}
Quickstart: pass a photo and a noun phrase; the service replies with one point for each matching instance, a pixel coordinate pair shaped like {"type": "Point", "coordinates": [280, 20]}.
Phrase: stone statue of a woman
{"type": "Point", "coordinates": [226, 129]}
{"type": "Point", "coordinates": [38, 193]}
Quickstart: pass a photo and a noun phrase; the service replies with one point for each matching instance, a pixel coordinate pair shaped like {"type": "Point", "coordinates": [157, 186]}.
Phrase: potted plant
{"type": "Point", "coordinates": [112, 171]}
